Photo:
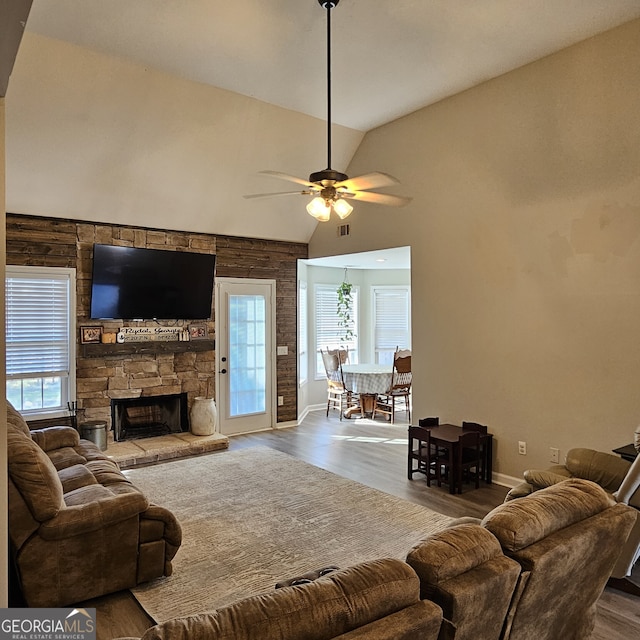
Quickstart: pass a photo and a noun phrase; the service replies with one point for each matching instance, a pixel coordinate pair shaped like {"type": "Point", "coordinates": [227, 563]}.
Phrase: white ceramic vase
{"type": "Point", "coordinates": [203, 416]}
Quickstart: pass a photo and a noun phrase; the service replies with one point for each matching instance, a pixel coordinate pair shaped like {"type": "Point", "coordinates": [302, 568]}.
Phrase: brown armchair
{"type": "Point", "coordinates": [567, 538]}
{"type": "Point", "coordinates": [464, 571]}
{"type": "Point", "coordinates": [78, 528]}
{"type": "Point", "coordinates": [618, 477]}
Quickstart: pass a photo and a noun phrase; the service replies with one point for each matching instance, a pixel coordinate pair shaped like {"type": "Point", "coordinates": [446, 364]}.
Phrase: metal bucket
{"type": "Point", "coordinates": [96, 432]}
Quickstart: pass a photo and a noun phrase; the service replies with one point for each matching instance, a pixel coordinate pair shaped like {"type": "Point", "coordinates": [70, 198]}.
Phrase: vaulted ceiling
{"type": "Point", "coordinates": [389, 59]}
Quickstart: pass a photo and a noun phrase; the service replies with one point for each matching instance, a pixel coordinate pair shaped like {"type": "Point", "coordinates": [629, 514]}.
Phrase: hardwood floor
{"type": "Point", "coordinates": [373, 453]}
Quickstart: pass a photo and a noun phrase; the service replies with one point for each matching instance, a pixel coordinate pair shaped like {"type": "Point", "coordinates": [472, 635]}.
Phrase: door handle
{"type": "Point", "coordinates": [223, 371]}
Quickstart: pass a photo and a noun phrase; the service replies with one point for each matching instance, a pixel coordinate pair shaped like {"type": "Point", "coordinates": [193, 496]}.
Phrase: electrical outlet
{"type": "Point", "coordinates": [522, 448]}
{"type": "Point", "coordinates": [280, 400]}
{"type": "Point", "coordinates": [554, 455]}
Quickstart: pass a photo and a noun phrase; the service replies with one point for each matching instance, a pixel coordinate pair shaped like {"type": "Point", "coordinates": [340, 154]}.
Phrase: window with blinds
{"type": "Point", "coordinates": [392, 321]}
{"type": "Point", "coordinates": [40, 339]}
{"type": "Point", "coordinates": [329, 333]}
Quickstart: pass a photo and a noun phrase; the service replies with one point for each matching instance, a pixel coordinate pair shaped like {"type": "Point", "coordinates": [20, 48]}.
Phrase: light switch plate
{"type": "Point", "coordinates": [282, 351]}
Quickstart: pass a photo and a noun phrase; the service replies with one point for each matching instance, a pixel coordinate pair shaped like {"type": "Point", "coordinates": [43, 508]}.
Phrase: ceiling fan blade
{"type": "Point", "coordinates": [368, 181]}
{"type": "Point", "coordinates": [381, 198]}
{"type": "Point", "coordinates": [286, 176]}
{"type": "Point", "coordinates": [280, 193]}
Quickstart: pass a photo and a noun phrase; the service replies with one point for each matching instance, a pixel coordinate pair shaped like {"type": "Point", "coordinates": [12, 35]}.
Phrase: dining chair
{"type": "Point", "coordinates": [481, 429]}
{"type": "Point", "coordinates": [400, 388]}
{"type": "Point", "coordinates": [338, 396]}
{"type": "Point", "coordinates": [468, 457]}
{"type": "Point", "coordinates": [342, 353]}
{"type": "Point", "coordinates": [433, 422]}
{"type": "Point", "coordinates": [420, 450]}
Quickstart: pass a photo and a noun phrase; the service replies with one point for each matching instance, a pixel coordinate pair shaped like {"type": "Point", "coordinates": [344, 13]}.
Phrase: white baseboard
{"type": "Point", "coordinates": [287, 425]}
{"type": "Point", "coordinates": [312, 407]}
{"type": "Point", "coordinates": [506, 481]}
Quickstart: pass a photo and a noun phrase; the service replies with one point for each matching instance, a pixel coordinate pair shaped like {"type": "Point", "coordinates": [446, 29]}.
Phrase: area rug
{"type": "Point", "coordinates": [255, 516]}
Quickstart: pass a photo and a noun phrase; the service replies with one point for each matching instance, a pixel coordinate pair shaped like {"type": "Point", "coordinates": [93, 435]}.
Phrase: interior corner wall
{"type": "Point", "coordinates": [4, 522]}
{"type": "Point", "coordinates": [524, 232]}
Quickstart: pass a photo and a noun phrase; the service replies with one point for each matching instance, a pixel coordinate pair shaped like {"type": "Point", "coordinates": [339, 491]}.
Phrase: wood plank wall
{"type": "Point", "coordinates": [54, 242]}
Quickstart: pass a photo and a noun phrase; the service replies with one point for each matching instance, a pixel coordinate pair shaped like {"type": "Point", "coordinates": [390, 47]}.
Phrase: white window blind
{"type": "Point", "coordinates": [391, 321]}
{"type": "Point", "coordinates": [40, 336]}
{"type": "Point", "coordinates": [329, 333]}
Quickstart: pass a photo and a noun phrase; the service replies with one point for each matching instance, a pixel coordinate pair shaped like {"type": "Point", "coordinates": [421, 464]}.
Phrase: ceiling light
{"type": "Point", "coordinates": [319, 209]}
{"type": "Point", "coordinates": [342, 208]}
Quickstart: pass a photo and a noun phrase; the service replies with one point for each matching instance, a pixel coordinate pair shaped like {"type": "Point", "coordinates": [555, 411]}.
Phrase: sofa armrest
{"type": "Point", "coordinates": [519, 491]}
{"type": "Point", "coordinates": [92, 508]}
{"type": "Point", "coordinates": [172, 533]}
{"type": "Point", "coordinates": [540, 479]}
{"type": "Point", "coordinates": [51, 438]}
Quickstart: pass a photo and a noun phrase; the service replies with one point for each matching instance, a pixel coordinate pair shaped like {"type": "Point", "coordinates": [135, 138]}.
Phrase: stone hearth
{"type": "Point", "coordinates": [132, 453]}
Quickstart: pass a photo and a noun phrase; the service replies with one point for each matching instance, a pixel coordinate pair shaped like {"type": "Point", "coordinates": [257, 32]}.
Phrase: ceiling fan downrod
{"type": "Point", "coordinates": [328, 174]}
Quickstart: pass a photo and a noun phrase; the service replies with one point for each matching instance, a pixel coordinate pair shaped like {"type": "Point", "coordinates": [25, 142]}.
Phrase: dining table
{"type": "Point", "coordinates": [446, 436]}
{"type": "Point", "coordinates": [366, 381]}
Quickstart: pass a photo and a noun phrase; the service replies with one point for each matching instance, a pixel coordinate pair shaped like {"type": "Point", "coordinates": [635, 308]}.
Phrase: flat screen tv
{"type": "Point", "coordinates": [146, 284]}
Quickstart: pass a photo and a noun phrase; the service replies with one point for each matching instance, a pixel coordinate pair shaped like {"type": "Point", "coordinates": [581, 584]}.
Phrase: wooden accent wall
{"type": "Point", "coordinates": [33, 240]}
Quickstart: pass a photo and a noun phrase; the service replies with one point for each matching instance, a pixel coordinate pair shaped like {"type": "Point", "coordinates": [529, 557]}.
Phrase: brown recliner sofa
{"type": "Point", "coordinates": [78, 528]}
{"type": "Point", "coordinates": [531, 569]}
{"type": "Point", "coordinates": [618, 477]}
{"type": "Point", "coordinates": [376, 600]}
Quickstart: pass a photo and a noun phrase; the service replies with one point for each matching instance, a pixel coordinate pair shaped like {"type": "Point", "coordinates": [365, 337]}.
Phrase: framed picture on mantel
{"type": "Point", "coordinates": [198, 332]}
{"type": "Point", "coordinates": [90, 335]}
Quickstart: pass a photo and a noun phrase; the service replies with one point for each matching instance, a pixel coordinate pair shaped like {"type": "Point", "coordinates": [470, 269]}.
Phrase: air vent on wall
{"type": "Point", "coordinates": [343, 230]}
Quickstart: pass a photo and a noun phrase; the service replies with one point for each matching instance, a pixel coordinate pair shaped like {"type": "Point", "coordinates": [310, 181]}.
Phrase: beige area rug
{"type": "Point", "coordinates": [255, 516]}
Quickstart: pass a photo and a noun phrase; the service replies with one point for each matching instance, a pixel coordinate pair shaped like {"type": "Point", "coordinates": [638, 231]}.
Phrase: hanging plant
{"type": "Point", "coordinates": [345, 306]}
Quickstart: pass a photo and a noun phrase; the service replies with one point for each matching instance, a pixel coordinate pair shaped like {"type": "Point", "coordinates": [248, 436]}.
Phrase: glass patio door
{"type": "Point", "coordinates": [244, 354]}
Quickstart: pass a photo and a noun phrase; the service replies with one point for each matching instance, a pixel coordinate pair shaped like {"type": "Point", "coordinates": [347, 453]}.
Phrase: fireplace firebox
{"type": "Point", "coordinates": [149, 416]}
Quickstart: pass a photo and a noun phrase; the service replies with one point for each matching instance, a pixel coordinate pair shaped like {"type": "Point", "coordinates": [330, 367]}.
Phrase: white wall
{"type": "Point", "coordinates": [524, 233]}
{"type": "Point", "coordinates": [99, 138]}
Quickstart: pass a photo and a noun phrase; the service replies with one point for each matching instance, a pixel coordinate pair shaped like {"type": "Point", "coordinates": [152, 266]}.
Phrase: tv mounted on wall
{"type": "Point", "coordinates": [146, 284]}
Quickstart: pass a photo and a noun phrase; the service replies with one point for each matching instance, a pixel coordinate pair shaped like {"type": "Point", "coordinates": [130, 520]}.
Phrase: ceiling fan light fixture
{"type": "Point", "coordinates": [329, 185]}
{"type": "Point", "coordinates": [319, 209]}
{"type": "Point", "coordinates": [342, 208]}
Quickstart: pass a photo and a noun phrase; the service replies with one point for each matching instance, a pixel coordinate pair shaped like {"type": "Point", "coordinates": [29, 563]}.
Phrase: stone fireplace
{"type": "Point", "coordinates": [149, 416]}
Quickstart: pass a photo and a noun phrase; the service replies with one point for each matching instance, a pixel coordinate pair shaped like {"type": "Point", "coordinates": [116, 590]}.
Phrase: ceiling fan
{"type": "Point", "coordinates": [332, 188]}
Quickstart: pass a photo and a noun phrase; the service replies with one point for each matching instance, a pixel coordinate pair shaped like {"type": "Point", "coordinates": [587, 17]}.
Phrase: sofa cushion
{"type": "Point", "coordinates": [605, 469]}
{"type": "Point", "coordinates": [106, 471]}
{"type": "Point", "coordinates": [34, 476]}
{"type": "Point", "coordinates": [16, 421]}
{"type": "Point", "coordinates": [75, 477]}
{"type": "Point", "coordinates": [453, 551]}
{"type": "Point", "coordinates": [51, 438]}
{"type": "Point", "coordinates": [519, 523]}
{"type": "Point", "coordinates": [65, 457]}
